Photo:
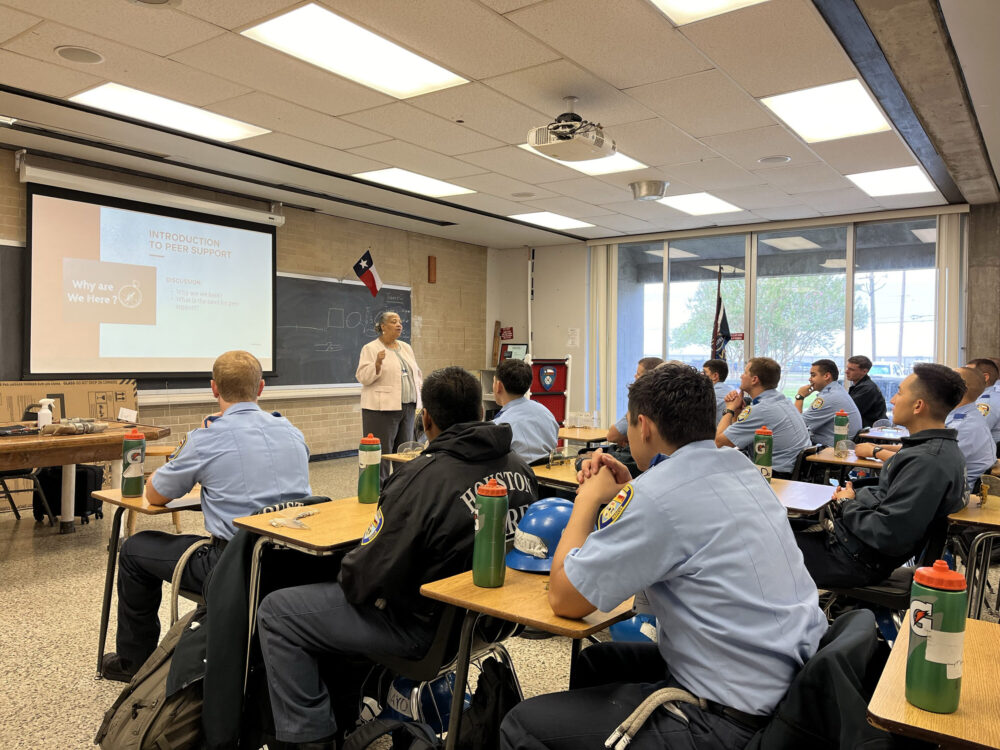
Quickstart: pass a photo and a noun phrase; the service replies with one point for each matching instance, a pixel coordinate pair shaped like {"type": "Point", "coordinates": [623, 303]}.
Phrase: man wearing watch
{"type": "Point", "coordinates": [831, 397]}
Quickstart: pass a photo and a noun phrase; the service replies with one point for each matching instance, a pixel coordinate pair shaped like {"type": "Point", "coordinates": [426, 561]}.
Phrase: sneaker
{"type": "Point", "coordinates": [112, 668]}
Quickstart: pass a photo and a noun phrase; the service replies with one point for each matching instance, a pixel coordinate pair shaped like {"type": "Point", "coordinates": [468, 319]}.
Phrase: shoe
{"type": "Point", "coordinates": [112, 668]}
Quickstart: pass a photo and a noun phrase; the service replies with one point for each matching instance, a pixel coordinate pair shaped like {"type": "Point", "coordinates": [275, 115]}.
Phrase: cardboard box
{"type": "Point", "coordinates": [100, 399]}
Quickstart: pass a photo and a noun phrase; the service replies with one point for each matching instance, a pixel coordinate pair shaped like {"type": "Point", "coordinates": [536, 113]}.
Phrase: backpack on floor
{"type": "Point", "coordinates": [89, 478]}
{"type": "Point", "coordinates": [144, 717]}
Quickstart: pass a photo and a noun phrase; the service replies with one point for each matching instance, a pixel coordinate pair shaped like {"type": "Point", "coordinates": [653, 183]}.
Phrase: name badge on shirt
{"type": "Point", "coordinates": [818, 402]}
{"type": "Point", "coordinates": [613, 510]}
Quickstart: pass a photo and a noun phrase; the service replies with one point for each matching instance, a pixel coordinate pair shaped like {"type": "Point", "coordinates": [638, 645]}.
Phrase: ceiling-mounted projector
{"type": "Point", "coordinates": [571, 138]}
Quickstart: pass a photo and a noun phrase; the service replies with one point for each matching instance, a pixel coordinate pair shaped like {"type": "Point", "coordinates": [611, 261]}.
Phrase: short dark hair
{"type": "Point", "coordinates": [827, 367]}
{"type": "Point", "coordinates": [768, 371]}
{"type": "Point", "coordinates": [974, 383]}
{"type": "Point", "coordinates": [678, 399]}
{"type": "Point", "coordinates": [986, 366]}
{"type": "Point", "coordinates": [650, 363]}
{"type": "Point", "coordinates": [452, 395]}
{"type": "Point", "coordinates": [861, 361]}
{"type": "Point", "coordinates": [719, 367]}
{"type": "Point", "coordinates": [940, 386]}
{"type": "Point", "coordinates": [515, 374]}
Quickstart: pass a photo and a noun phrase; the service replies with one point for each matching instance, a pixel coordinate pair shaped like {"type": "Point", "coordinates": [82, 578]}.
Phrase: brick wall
{"type": "Point", "coordinates": [448, 317]}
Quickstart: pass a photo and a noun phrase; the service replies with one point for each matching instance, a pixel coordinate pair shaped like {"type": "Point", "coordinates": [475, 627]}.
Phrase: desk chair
{"type": "Point", "coordinates": [801, 467]}
{"type": "Point", "coordinates": [175, 581]}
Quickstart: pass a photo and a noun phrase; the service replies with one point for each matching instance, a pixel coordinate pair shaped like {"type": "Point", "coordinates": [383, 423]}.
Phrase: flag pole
{"type": "Point", "coordinates": [715, 320]}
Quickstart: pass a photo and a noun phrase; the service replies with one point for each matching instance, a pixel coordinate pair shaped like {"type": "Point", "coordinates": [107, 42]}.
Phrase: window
{"type": "Point", "coordinates": [639, 314]}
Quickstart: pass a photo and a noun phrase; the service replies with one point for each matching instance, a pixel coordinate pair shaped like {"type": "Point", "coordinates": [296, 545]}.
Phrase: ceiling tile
{"type": "Point", "coordinates": [622, 179]}
{"type": "Point", "coordinates": [656, 213]}
{"type": "Point", "coordinates": [233, 14]}
{"type": "Point", "coordinates": [484, 110]}
{"type": "Point", "coordinates": [465, 37]}
{"type": "Point", "coordinates": [13, 22]}
{"type": "Point", "coordinates": [845, 199]}
{"type": "Point", "coordinates": [416, 159]}
{"type": "Point", "coordinates": [506, 187]}
{"type": "Point", "coordinates": [158, 30]}
{"type": "Point", "coordinates": [745, 147]}
{"type": "Point", "coordinates": [567, 207]}
{"type": "Point", "coordinates": [773, 47]}
{"type": "Point", "coordinates": [627, 224]}
{"type": "Point", "coordinates": [505, 6]}
{"type": "Point", "coordinates": [657, 142]}
{"type": "Point", "coordinates": [703, 104]}
{"type": "Point", "coordinates": [312, 154]}
{"type": "Point", "coordinates": [758, 196]}
{"type": "Point", "coordinates": [712, 174]}
{"type": "Point", "coordinates": [544, 86]}
{"type": "Point", "coordinates": [45, 78]}
{"type": "Point", "coordinates": [804, 179]}
{"type": "Point", "coordinates": [281, 116]}
{"type": "Point", "coordinates": [413, 125]}
{"type": "Point", "coordinates": [627, 43]}
{"type": "Point", "coordinates": [264, 69]}
{"type": "Point", "coordinates": [736, 217]}
{"type": "Point", "coordinates": [517, 163]}
{"type": "Point", "coordinates": [589, 189]}
{"type": "Point", "coordinates": [865, 153]}
{"type": "Point", "coordinates": [914, 200]}
{"type": "Point", "coordinates": [785, 213]}
{"type": "Point", "coordinates": [126, 65]}
{"type": "Point", "coordinates": [595, 232]}
{"type": "Point", "coordinates": [489, 203]}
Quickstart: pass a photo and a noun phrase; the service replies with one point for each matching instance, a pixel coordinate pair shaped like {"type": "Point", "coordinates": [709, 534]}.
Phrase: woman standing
{"type": "Point", "coordinates": [390, 386]}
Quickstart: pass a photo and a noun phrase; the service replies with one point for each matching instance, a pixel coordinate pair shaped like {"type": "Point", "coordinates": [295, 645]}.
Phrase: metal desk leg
{"type": "Point", "coordinates": [109, 582]}
{"type": "Point", "coordinates": [574, 652]}
{"type": "Point", "coordinates": [67, 522]}
{"type": "Point", "coordinates": [461, 680]}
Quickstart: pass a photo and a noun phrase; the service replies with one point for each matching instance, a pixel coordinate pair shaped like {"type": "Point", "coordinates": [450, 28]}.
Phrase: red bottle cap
{"type": "Point", "coordinates": [841, 413]}
{"type": "Point", "coordinates": [492, 489]}
{"type": "Point", "coordinates": [940, 577]}
{"type": "Point", "coordinates": [370, 440]}
{"type": "Point", "coordinates": [763, 431]}
{"type": "Point", "coordinates": [134, 434]}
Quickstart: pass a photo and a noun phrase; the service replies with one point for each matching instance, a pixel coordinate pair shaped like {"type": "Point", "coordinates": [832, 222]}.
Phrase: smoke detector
{"type": "Point", "coordinates": [648, 190]}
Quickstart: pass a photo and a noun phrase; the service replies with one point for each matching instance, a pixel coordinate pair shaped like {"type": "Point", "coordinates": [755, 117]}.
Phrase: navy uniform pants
{"type": "Point", "coordinates": [608, 682]}
{"type": "Point", "coordinates": [298, 625]}
{"type": "Point", "coordinates": [831, 565]}
{"type": "Point", "coordinates": [145, 561]}
{"type": "Point", "coordinates": [392, 428]}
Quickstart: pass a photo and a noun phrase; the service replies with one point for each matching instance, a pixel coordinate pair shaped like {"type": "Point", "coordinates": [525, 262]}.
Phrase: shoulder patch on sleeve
{"type": "Point", "coordinates": [984, 409]}
{"type": "Point", "coordinates": [177, 450]}
{"type": "Point", "coordinates": [818, 402]}
{"type": "Point", "coordinates": [373, 528]}
{"type": "Point", "coordinates": [613, 510]}
{"type": "Point", "coordinates": [743, 415]}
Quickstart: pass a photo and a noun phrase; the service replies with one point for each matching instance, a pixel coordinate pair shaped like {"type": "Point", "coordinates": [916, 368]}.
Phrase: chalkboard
{"type": "Point", "coordinates": [322, 324]}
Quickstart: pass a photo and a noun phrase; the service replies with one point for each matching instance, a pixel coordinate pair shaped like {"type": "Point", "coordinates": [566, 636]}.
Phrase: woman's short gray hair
{"type": "Point", "coordinates": [380, 319]}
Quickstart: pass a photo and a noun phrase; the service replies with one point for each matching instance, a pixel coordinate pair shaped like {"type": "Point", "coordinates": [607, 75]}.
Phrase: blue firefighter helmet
{"type": "Point", "coordinates": [638, 629]}
{"type": "Point", "coordinates": [431, 705]}
{"type": "Point", "coordinates": [538, 534]}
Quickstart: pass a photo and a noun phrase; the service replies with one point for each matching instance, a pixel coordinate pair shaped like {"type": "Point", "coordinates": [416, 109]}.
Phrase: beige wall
{"type": "Point", "coordinates": [448, 317]}
{"type": "Point", "coordinates": [507, 294]}
{"type": "Point", "coordinates": [983, 305]}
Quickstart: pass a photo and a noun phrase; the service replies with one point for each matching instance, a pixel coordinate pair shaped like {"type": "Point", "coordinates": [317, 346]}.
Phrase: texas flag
{"type": "Point", "coordinates": [365, 269]}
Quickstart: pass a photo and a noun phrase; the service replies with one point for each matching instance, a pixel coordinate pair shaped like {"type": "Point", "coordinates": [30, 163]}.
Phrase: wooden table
{"type": "Point", "coordinates": [399, 458]}
{"type": "Point", "coordinates": [802, 497]}
{"type": "Point", "coordinates": [980, 551]}
{"type": "Point", "coordinates": [523, 598]}
{"type": "Point", "coordinates": [883, 436]}
{"type": "Point", "coordinates": [976, 723]}
{"type": "Point", "coordinates": [588, 435]}
{"type": "Point", "coordinates": [30, 451]}
{"type": "Point", "coordinates": [560, 476]}
{"type": "Point", "coordinates": [134, 505]}
{"type": "Point", "coordinates": [828, 456]}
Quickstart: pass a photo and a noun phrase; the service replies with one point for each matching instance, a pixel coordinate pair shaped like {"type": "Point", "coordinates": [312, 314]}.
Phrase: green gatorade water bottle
{"type": "Point", "coordinates": [488, 566]}
{"type": "Point", "coordinates": [133, 455]}
{"type": "Point", "coordinates": [840, 423]}
{"type": "Point", "coordinates": [369, 467]}
{"type": "Point", "coordinates": [763, 448]}
{"type": "Point", "coordinates": [938, 604]}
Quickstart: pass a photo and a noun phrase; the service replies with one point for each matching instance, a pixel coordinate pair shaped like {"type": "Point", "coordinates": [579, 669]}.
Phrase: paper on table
{"type": "Point", "coordinates": [184, 502]}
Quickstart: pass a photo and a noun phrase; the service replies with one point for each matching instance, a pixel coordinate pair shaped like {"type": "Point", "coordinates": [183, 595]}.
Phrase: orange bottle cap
{"type": "Point", "coordinates": [134, 434]}
{"type": "Point", "coordinates": [492, 489]}
{"type": "Point", "coordinates": [763, 431]}
{"type": "Point", "coordinates": [940, 576]}
{"type": "Point", "coordinates": [370, 440]}
{"type": "Point", "coordinates": [841, 413]}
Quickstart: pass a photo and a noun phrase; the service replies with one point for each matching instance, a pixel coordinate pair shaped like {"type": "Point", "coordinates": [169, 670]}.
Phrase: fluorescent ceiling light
{"type": "Point", "coordinates": [4, 120]}
{"type": "Point", "coordinates": [316, 35]}
{"type": "Point", "coordinates": [675, 254]}
{"type": "Point", "coordinates": [834, 263]}
{"type": "Point", "coordinates": [159, 110]}
{"type": "Point", "coordinates": [927, 236]}
{"type": "Point", "coordinates": [699, 204]}
{"type": "Point", "coordinates": [617, 162]}
{"type": "Point", "coordinates": [415, 183]}
{"type": "Point", "coordinates": [688, 11]}
{"type": "Point", "coordinates": [791, 243]}
{"type": "Point", "coordinates": [725, 268]}
{"type": "Point", "coordinates": [825, 113]}
{"type": "Point", "coordinates": [551, 220]}
{"type": "Point", "coordinates": [899, 181]}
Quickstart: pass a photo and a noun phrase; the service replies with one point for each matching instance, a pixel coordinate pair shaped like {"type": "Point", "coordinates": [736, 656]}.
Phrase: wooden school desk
{"type": "Point", "coordinates": [893, 435]}
{"type": "Point", "coordinates": [802, 497]}
{"type": "Point", "coordinates": [828, 457]}
{"type": "Point", "coordinates": [30, 451]}
{"type": "Point", "coordinates": [560, 477]}
{"type": "Point", "coordinates": [976, 723]}
{"type": "Point", "coordinates": [133, 505]}
{"type": "Point", "coordinates": [523, 598]}
{"type": "Point", "coordinates": [978, 564]}
{"type": "Point", "coordinates": [588, 435]}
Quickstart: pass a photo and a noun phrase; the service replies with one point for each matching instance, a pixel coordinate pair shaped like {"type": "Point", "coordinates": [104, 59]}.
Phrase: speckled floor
{"type": "Point", "coordinates": [50, 600]}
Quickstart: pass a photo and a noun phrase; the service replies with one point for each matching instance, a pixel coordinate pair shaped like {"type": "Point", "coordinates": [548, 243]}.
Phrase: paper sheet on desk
{"type": "Point", "coordinates": [184, 502]}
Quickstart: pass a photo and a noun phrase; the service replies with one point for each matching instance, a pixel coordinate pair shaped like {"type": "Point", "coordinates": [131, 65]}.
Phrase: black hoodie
{"type": "Point", "coordinates": [424, 527]}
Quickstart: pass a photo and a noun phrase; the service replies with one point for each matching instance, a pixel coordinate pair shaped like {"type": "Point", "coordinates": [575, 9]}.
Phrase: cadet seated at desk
{"type": "Point", "coordinates": [882, 526]}
{"type": "Point", "coordinates": [768, 408]}
{"type": "Point", "coordinates": [423, 531]}
{"type": "Point", "coordinates": [244, 459]}
{"type": "Point", "coordinates": [989, 401]}
{"type": "Point", "coordinates": [618, 433]}
{"type": "Point", "coordinates": [535, 430]}
{"type": "Point", "coordinates": [866, 395]}
{"type": "Point", "coordinates": [736, 610]}
{"type": "Point", "coordinates": [717, 371]}
{"type": "Point", "coordinates": [831, 397]}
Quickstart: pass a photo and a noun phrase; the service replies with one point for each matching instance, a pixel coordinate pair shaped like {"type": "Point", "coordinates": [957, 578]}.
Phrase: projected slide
{"type": "Point", "coordinates": [124, 291]}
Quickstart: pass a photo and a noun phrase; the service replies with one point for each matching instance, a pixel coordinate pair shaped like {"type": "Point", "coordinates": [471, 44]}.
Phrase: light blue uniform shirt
{"type": "Point", "coordinates": [246, 459]}
{"type": "Point", "coordinates": [703, 534]}
{"type": "Point", "coordinates": [974, 440]}
{"type": "Point", "coordinates": [535, 429]}
{"type": "Point", "coordinates": [721, 391]}
{"type": "Point", "coordinates": [989, 407]}
{"type": "Point", "coordinates": [775, 411]}
{"type": "Point", "coordinates": [622, 426]}
{"type": "Point", "coordinates": [819, 415]}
